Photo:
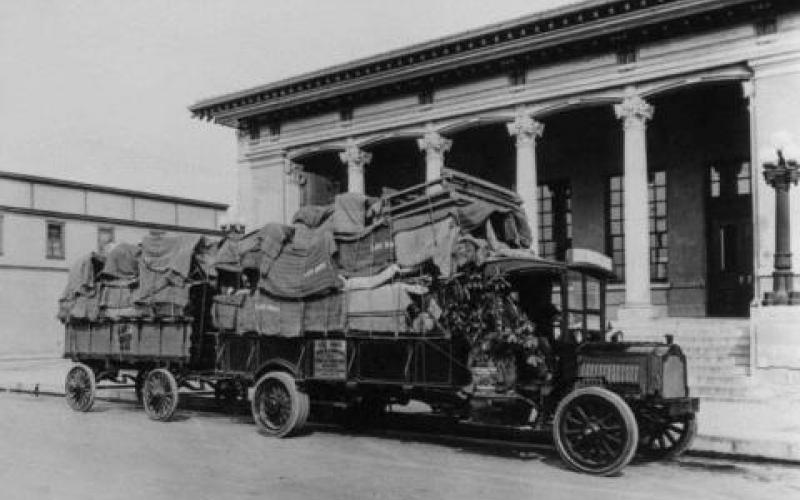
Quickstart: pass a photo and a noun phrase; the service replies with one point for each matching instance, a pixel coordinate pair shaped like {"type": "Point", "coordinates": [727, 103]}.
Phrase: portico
{"type": "Point", "coordinates": [630, 128]}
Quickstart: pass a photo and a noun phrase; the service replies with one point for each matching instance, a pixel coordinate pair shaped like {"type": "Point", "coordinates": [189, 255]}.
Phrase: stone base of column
{"type": "Point", "coordinates": [636, 313]}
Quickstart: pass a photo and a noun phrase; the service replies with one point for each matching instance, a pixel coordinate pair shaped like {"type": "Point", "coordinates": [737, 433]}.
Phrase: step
{"type": "Point", "coordinates": [704, 390]}
{"type": "Point", "coordinates": [694, 351]}
{"type": "Point", "coordinates": [718, 380]}
{"type": "Point", "coordinates": [717, 369]}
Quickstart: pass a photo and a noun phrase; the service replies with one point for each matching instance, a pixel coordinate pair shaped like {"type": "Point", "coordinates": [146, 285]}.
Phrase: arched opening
{"type": "Point", "coordinates": [395, 165]}
{"type": "Point", "coordinates": [324, 177]}
{"type": "Point", "coordinates": [484, 151]}
{"type": "Point", "coordinates": [699, 139]}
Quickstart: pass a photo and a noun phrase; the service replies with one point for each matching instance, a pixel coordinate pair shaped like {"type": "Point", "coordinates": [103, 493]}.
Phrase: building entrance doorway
{"type": "Point", "coordinates": [730, 239]}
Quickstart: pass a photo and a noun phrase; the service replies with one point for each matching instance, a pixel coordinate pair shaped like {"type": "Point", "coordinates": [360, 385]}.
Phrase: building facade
{"type": "Point", "coordinates": [47, 224]}
{"type": "Point", "coordinates": [637, 128]}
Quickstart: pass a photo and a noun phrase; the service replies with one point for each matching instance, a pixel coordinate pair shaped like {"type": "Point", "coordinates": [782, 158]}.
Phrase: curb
{"type": "Point", "coordinates": [710, 446]}
{"type": "Point", "coordinates": [747, 449]}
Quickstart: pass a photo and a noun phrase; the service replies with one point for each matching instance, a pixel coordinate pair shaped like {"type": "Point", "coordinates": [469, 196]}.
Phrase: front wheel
{"type": "Point", "coordinates": [160, 395]}
{"type": "Point", "coordinates": [279, 408]}
{"type": "Point", "coordinates": [595, 431]}
{"type": "Point", "coordinates": [662, 436]}
{"type": "Point", "coordinates": [80, 387]}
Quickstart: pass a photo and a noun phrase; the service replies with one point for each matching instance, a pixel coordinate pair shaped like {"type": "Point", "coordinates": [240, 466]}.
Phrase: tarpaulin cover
{"type": "Point", "coordinates": [79, 300]}
{"type": "Point", "coordinates": [312, 216]}
{"type": "Point", "coordinates": [225, 310]}
{"type": "Point", "coordinates": [167, 266]}
{"type": "Point", "coordinates": [122, 262]}
{"type": "Point", "coordinates": [434, 242]}
{"type": "Point", "coordinates": [267, 315]}
{"type": "Point", "coordinates": [116, 299]}
{"type": "Point", "coordinates": [511, 224]}
{"type": "Point", "coordinates": [366, 254]}
{"type": "Point", "coordinates": [381, 309]}
{"type": "Point", "coordinates": [250, 251]}
{"type": "Point", "coordinates": [304, 267]}
{"type": "Point", "coordinates": [349, 213]}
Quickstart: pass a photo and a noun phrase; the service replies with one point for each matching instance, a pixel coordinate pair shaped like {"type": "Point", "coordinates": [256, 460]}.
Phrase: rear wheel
{"type": "Point", "coordinates": [595, 431]}
{"type": "Point", "coordinates": [663, 436]}
{"type": "Point", "coordinates": [80, 387]}
{"type": "Point", "coordinates": [160, 395]}
{"type": "Point", "coordinates": [279, 408]}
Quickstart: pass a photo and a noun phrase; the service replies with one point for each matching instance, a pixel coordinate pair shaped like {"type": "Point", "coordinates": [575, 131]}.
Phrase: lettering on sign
{"type": "Point", "coordinates": [330, 359]}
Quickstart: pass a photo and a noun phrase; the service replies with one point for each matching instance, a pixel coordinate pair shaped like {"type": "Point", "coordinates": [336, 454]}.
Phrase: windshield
{"type": "Point", "coordinates": [585, 301]}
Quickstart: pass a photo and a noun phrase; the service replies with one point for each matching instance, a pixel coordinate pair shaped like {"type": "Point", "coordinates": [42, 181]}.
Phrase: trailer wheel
{"type": "Point", "coordinates": [595, 431]}
{"type": "Point", "coordinates": [160, 395]}
{"type": "Point", "coordinates": [662, 436]}
{"type": "Point", "coordinates": [80, 387]}
{"type": "Point", "coordinates": [279, 408]}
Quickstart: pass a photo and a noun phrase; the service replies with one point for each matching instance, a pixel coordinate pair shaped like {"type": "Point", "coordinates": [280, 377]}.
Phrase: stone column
{"type": "Point", "coordinates": [435, 146]}
{"type": "Point", "coordinates": [355, 159]}
{"type": "Point", "coordinates": [292, 184]}
{"type": "Point", "coordinates": [634, 113]}
{"type": "Point", "coordinates": [527, 130]}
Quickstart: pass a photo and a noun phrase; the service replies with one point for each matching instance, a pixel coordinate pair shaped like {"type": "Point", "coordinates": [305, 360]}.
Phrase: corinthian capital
{"type": "Point", "coordinates": [633, 110]}
{"type": "Point", "coordinates": [432, 142]}
{"type": "Point", "coordinates": [354, 157]}
{"type": "Point", "coordinates": [525, 128]}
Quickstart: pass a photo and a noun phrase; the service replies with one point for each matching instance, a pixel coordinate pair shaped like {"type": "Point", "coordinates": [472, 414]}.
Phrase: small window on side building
{"type": "Point", "coordinates": [55, 240]}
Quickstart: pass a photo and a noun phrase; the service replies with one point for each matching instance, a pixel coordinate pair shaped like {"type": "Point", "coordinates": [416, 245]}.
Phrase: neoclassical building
{"type": "Point", "coordinates": [637, 128]}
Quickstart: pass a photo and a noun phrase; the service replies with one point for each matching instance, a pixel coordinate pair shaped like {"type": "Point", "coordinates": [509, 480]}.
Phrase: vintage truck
{"type": "Point", "coordinates": [433, 297]}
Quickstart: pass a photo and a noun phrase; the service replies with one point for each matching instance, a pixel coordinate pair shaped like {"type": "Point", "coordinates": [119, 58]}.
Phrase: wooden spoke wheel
{"type": "Point", "coordinates": [662, 436]}
{"type": "Point", "coordinates": [80, 387]}
{"type": "Point", "coordinates": [279, 408]}
{"type": "Point", "coordinates": [160, 395]}
{"type": "Point", "coordinates": [595, 431]}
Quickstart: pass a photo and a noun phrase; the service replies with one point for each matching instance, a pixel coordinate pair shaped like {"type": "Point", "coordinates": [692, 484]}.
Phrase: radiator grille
{"type": "Point", "coordinates": [613, 373]}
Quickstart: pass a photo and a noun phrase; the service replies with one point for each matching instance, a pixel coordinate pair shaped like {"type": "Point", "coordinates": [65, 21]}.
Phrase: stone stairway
{"type": "Point", "coordinates": [717, 350]}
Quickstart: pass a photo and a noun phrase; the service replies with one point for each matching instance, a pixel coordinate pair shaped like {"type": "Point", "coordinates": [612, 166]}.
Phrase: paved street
{"type": "Point", "coordinates": [113, 452]}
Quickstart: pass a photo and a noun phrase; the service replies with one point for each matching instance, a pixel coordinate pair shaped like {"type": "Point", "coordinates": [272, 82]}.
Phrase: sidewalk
{"type": "Point", "coordinates": [747, 429]}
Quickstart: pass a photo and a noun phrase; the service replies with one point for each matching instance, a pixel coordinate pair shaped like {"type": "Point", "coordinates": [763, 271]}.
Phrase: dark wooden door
{"type": "Point", "coordinates": [730, 240]}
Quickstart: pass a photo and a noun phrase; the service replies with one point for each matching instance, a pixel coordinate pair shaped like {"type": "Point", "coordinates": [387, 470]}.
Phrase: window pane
{"type": "Point", "coordinates": [55, 241]}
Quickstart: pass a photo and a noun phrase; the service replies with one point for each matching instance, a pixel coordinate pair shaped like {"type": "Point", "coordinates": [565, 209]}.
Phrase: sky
{"type": "Point", "coordinates": [97, 91]}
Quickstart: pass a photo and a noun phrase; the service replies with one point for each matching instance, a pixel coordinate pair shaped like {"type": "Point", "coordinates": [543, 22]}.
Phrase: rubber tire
{"type": "Point", "coordinates": [87, 404]}
{"type": "Point", "coordinates": [168, 411]}
{"type": "Point", "coordinates": [624, 412]}
{"type": "Point", "coordinates": [683, 443]}
{"type": "Point", "coordinates": [299, 405]}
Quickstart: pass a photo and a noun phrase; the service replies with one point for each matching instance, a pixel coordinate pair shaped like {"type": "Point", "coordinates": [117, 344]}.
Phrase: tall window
{"type": "Point", "coordinates": [55, 240]}
{"type": "Point", "coordinates": [615, 236]}
{"type": "Point", "coordinates": [659, 240]}
{"type": "Point", "coordinates": [105, 236]}
{"type": "Point", "coordinates": [659, 244]}
{"type": "Point", "coordinates": [555, 219]}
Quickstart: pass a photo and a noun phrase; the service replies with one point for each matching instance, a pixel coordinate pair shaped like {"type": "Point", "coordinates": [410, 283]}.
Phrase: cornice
{"type": "Point", "coordinates": [96, 188]}
{"type": "Point", "coordinates": [589, 27]}
{"type": "Point", "coordinates": [52, 214]}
